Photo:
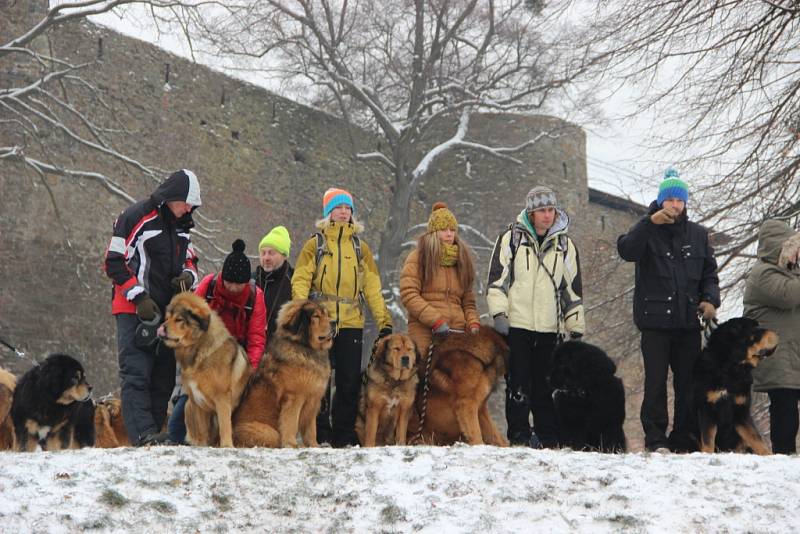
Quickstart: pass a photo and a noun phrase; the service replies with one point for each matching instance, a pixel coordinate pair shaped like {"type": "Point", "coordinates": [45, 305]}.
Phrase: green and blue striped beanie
{"type": "Point", "coordinates": [672, 187]}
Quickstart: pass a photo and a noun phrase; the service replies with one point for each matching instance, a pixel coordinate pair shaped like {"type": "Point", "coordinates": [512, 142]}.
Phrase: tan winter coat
{"type": "Point", "coordinates": [525, 289]}
{"type": "Point", "coordinates": [442, 299]}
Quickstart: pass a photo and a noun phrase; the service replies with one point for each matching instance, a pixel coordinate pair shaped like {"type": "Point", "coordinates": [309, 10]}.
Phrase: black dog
{"type": "Point", "coordinates": [589, 399]}
{"type": "Point", "coordinates": [48, 403]}
{"type": "Point", "coordinates": [722, 381]}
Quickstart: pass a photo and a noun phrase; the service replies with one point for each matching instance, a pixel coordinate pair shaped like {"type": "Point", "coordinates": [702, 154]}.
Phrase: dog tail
{"type": "Point", "coordinates": [442, 381]}
{"type": "Point", "coordinates": [254, 434]}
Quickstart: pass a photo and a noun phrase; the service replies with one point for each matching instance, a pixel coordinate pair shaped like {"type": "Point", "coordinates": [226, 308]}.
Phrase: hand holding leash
{"type": "Point", "coordinates": [182, 282]}
{"type": "Point", "coordinates": [707, 310]}
{"type": "Point", "coordinates": [441, 328]}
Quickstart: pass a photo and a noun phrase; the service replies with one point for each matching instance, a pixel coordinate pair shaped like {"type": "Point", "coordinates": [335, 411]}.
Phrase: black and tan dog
{"type": "Point", "coordinates": [285, 394]}
{"type": "Point", "coordinates": [722, 382]}
{"type": "Point", "coordinates": [47, 403]}
{"type": "Point", "coordinates": [589, 399]}
{"type": "Point", "coordinates": [214, 368]}
{"type": "Point", "coordinates": [387, 398]}
{"type": "Point", "coordinates": [7, 384]}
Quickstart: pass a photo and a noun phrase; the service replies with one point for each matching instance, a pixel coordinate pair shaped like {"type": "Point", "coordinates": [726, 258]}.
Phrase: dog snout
{"type": "Point", "coordinates": [405, 362]}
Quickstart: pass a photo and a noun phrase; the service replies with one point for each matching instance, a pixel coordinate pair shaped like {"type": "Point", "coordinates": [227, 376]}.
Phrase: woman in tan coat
{"type": "Point", "coordinates": [436, 282]}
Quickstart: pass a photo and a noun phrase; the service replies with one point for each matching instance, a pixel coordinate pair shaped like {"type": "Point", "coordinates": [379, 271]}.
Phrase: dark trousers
{"type": "Point", "coordinates": [783, 419]}
{"type": "Point", "coordinates": [345, 356]}
{"type": "Point", "coordinates": [176, 426]}
{"type": "Point", "coordinates": [147, 377]}
{"type": "Point", "coordinates": [527, 387]}
{"type": "Point", "coordinates": [663, 350]}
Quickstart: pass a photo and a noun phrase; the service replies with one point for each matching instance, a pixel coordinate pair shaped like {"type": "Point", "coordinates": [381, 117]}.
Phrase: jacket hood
{"type": "Point", "coordinates": [560, 225]}
{"type": "Point", "coordinates": [771, 237]}
{"type": "Point", "coordinates": [181, 185]}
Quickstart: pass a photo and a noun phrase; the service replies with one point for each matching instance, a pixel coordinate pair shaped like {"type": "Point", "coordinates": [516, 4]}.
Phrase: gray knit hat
{"type": "Point", "coordinates": [540, 197]}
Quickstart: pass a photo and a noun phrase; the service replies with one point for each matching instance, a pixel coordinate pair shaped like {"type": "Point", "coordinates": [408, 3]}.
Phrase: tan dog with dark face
{"type": "Point", "coordinates": [465, 369]}
{"type": "Point", "coordinates": [214, 368]}
{"type": "Point", "coordinates": [286, 391]}
{"type": "Point", "coordinates": [386, 402]}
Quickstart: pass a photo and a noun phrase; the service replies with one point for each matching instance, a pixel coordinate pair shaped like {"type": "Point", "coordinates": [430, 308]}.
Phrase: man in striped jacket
{"type": "Point", "coordinates": [149, 259]}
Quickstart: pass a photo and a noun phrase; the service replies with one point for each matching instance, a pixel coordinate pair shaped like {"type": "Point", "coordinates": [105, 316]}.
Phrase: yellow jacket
{"type": "Point", "coordinates": [340, 282]}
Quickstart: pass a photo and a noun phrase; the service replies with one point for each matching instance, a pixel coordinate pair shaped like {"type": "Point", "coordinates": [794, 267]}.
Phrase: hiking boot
{"type": "Point", "coordinates": [662, 450]}
{"type": "Point", "coordinates": [520, 439]}
{"type": "Point", "coordinates": [156, 439]}
{"type": "Point", "coordinates": [534, 442]}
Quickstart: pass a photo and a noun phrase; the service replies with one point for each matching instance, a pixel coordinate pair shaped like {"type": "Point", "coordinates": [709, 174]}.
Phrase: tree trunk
{"type": "Point", "coordinates": [394, 232]}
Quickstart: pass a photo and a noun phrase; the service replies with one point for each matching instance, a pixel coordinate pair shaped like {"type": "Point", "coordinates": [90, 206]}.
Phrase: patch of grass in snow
{"type": "Point", "coordinates": [222, 501]}
{"type": "Point", "coordinates": [185, 462]}
{"type": "Point", "coordinates": [359, 458]}
{"type": "Point", "coordinates": [391, 513]}
{"type": "Point", "coordinates": [97, 523]}
{"type": "Point", "coordinates": [617, 497]}
{"type": "Point", "coordinates": [625, 521]}
{"type": "Point", "coordinates": [409, 455]}
{"type": "Point", "coordinates": [733, 510]}
{"type": "Point", "coordinates": [112, 497]}
{"type": "Point", "coordinates": [162, 507]}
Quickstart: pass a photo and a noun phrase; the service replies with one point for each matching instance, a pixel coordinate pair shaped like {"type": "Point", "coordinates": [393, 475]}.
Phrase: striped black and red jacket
{"type": "Point", "coordinates": [150, 246]}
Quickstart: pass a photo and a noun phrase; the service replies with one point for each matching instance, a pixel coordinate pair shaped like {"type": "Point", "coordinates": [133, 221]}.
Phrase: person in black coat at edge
{"type": "Point", "coordinates": [149, 259]}
{"type": "Point", "coordinates": [274, 273]}
{"type": "Point", "coordinates": [676, 282]}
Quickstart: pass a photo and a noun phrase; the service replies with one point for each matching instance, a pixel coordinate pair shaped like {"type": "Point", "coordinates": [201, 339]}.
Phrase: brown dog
{"type": "Point", "coordinates": [214, 368]}
{"type": "Point", "coordinates": [464, 371]}
{"type": "Point", "coordinates": [287, 389]}
{"type": "Point", "coordinates": [7, 384]}
{"type": "Point", "coordinates": [385, 403]}
{"type": "Point", "coordinates": [108, 424]}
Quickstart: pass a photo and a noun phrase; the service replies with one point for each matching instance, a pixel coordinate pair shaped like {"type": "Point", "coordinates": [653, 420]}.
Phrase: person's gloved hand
{"type": "Point", "coordinates": [575, 335]}
{"type": "Point", "coordinates": [663, 216]}
{"type": "Point", "coordinates": [440, 328]}
{"type": "Point", "coordinates": [707, 310]}
{"type": "Point", "coordinates": [182, 282]}
{"type": "Point", "coordinates": [501, 324]}
{"type": "Point", "coordinates": [474, 328]}
{"type": "Point", "coordinates": [146, 307]}
{"type": "Point", "coordinates": [385, 331]}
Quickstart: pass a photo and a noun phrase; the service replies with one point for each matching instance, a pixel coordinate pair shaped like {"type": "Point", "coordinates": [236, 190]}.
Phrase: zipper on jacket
{"type": "Point", "coordinates": [528, 258]}
{"type": "Point", "coordinates": [339, 270]}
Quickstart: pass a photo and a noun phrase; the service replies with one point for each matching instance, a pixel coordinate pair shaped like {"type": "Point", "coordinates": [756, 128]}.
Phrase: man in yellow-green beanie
{"type": "Point", "coordinates": [274, 273]}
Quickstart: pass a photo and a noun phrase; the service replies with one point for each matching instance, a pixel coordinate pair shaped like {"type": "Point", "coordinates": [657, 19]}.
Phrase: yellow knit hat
{"type": "Point", "coordinates": [441, 218]}
{"type": "Point", "coordinates": [277, 238]}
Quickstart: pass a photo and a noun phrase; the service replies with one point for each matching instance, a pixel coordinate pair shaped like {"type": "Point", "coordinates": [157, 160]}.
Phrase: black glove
{"type": "Point", "coordinates": [146, 308]}
{"type": "Point", "coordinates": [575, 335]}
{"type": "Point", "coordinates": [182, 282]}
{"type": "Point", "coordinates": [385, 331]}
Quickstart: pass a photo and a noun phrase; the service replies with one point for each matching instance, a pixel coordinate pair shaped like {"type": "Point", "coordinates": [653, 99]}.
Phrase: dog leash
{"type": "Point", "coordinates": [18, 352]}
{"type": "Point", "coordinates": [425, 389]}
{"type": "Point", "coordinates": [709, 325]}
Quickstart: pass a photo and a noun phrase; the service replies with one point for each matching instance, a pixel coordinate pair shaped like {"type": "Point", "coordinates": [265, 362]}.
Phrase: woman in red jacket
{"type": "Point", "coordinates": [240, 305]}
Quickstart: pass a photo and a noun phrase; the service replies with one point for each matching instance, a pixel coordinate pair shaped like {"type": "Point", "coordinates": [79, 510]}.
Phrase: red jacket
{"type": "Point", "coordinates": [250, 334]}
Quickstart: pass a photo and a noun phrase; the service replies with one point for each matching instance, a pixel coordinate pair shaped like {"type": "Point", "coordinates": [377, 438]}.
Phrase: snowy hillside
{"type": "Point", "coordinates": [398, 489]}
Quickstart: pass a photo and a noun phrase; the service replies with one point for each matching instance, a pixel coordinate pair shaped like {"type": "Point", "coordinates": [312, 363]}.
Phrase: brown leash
{"type": "Point", "coordinates": [426, 387]}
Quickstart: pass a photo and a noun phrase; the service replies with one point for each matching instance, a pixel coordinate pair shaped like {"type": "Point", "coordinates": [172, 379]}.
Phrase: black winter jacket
{"type": "Point", "coordinates": [277, 288]}
{"type": "Point", "coordinates": [675, 271]}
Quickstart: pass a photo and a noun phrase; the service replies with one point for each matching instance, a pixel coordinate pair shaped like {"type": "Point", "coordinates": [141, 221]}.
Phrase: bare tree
{"type": "Point", "coordinates": [47, 102]}
{"type": "Point", "coordinates": [724, 80]}
{"type": "Point", "coordinates": [401, 69]}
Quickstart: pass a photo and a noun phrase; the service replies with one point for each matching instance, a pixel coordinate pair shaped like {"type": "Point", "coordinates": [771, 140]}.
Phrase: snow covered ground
{"type": "Point", "coordinates": [396, 489]}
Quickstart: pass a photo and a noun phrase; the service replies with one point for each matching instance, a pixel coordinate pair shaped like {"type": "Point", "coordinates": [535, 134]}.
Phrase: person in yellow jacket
{"type": "Point", "coordinates": [336, 268]}
{"type": "Point", "coordinates": [436, 282]}
{"type": "Point", "coordinates": [535, 297]}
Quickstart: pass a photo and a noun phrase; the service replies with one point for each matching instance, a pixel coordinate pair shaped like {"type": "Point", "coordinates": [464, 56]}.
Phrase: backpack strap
{"type": "Point", "coordinates": [210, 289]}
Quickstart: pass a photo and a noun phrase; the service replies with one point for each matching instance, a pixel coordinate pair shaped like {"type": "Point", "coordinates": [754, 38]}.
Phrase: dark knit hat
{"type": "Point", "coordinates": [236, 268]}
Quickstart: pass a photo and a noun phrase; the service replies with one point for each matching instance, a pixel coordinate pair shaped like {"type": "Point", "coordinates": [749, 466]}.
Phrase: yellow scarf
{"type": "Point", "coordinates": [449, 255]}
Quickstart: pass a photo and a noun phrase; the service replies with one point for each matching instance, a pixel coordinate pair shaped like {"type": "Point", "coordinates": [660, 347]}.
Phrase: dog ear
{"type": "Point", "coordinates": [299, 324]}
{"type": "Point", "coordinates": [202, 322]}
